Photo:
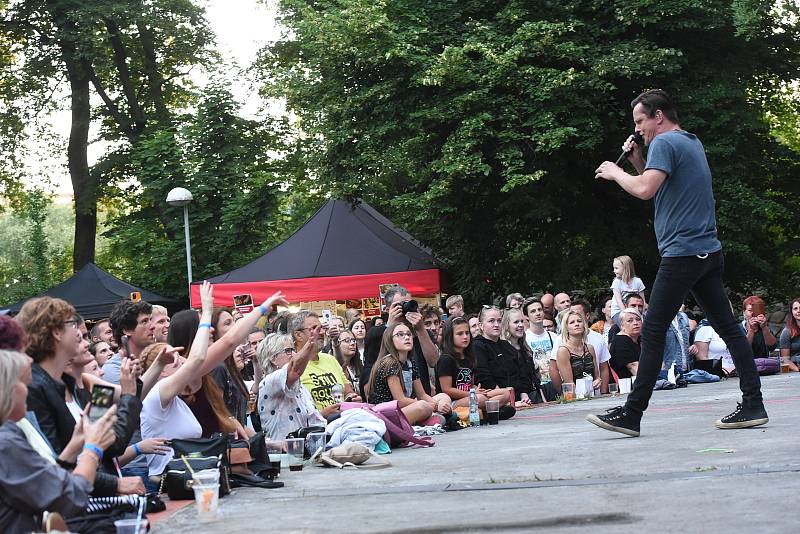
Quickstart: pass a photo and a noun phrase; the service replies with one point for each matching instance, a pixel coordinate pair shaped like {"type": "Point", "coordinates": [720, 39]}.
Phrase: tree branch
{"type": "Point", "coordinates": [122, 120]}
{"type": "Point", "coordinates": [120, 60]}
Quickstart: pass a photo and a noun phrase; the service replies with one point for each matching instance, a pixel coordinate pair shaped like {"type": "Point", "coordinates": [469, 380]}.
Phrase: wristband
{"type": "Point", "coordinates": [94, 449]}
{"type": "Point", "coordinates": [204, 325]}
{"type": "Point", "coordinates": [263, 309]}
{"type": "Point", "coordinates": [136, 449]}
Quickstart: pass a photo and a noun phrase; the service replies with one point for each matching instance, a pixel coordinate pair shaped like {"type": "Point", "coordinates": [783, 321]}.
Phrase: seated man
{"type": "Point", "coordinates": [323, 370]}
{"type": "Point", "coordinates": [756, 327]}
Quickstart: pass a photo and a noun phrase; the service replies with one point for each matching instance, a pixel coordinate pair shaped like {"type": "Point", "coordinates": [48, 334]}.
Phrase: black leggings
{"type": "Point", "coordinates": [675, 279]}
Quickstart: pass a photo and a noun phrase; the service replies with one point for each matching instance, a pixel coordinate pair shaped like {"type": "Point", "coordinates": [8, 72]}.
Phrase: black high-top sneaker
{"type": "Point", "coordinates": [617, 420]}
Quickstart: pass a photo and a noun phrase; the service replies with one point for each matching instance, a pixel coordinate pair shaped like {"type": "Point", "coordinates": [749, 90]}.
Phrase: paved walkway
{"type": "Point", "coordinates": [549, 469]}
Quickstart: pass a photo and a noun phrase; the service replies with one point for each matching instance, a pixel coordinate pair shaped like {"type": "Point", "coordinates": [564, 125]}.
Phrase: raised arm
{"type": "Point", "coordinates": [191, 370]}
{"type": "Point", "coordinates": [224, 346]}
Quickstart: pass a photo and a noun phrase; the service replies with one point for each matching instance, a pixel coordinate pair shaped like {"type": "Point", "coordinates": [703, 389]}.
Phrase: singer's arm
{"type": "Point", "coordinates": [643, 186]}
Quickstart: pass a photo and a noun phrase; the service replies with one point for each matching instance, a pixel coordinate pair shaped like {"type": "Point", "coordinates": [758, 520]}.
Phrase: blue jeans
{"type": "Point", "coordinates": [703, 278]}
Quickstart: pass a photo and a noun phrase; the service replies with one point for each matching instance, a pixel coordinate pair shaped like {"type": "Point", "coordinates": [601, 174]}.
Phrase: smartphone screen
{"type": "Point", "coordinates": [243, 303]}
{"type": "Point", "coordinates": [102, 400]}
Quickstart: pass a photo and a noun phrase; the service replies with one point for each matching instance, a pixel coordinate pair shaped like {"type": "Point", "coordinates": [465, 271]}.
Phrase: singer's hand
{"type": "Point", "coordinates": [607, 171]}
{"type": "Point", "coordinates": [634, 151]}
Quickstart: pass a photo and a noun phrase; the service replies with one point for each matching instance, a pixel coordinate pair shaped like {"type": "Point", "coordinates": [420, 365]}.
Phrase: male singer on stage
{"type": "Point", "coordinates": [676, 173]}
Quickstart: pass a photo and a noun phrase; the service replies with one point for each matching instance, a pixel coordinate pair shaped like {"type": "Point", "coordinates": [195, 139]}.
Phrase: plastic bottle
{"type": "Point", "coordinates": [474, 414]}
{"type": "Point", "coordinates": [337, 392]}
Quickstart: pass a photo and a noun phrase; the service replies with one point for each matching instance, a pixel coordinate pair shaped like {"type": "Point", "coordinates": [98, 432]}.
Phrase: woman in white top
{"type": "Point", "coordinates": [164, 413]}
{"type": "Point", "coordinates": [284, 403]}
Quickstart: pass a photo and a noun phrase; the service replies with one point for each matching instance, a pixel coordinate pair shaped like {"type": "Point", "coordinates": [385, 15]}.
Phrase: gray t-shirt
{"type": "Point", "coordinates": [685, 223]}
{"type": "Point", "coordinates": [112, 368]}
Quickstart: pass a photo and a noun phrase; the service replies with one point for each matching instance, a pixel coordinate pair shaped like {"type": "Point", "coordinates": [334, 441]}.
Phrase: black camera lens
{"type": "Point", "coordinates": [410, 306]}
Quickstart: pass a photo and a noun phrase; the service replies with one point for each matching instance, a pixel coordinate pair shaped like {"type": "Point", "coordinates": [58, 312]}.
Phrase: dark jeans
{"type": "Point", "coordinates": [675, 279]}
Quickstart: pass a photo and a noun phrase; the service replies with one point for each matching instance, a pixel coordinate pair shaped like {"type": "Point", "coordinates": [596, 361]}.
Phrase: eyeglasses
{"type": "Point", "coordinates": [402, 334]}
{"type": "Point", "coordinates": [348, 340]}
{"type": "Point", "coordinates": [287, 352]}
{"type": "Point", "coordinates": [73, 322]}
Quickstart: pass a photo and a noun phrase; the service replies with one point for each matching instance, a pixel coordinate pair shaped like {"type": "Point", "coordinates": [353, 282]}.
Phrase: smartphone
{"type": "Point", "coordinates": [136, 296]}
{"type": "Point", "coordinates": [327, 315]}
{"type": "Point", "coordinates": [758, 308]}
{"type": "Point", "coordinates": [102, 400]}
{"type": "Point", "coordinates": [243, 303]}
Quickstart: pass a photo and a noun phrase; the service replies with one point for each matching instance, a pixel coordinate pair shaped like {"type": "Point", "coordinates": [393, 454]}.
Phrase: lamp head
{"type": "Point", "coordinates": [179, 197]}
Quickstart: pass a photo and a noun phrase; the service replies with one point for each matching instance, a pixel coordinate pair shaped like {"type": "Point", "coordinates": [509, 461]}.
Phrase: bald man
{"type": "Point", "coordinates": [562, 302]}
{"type": "Point", "coordinates": [547, 303]}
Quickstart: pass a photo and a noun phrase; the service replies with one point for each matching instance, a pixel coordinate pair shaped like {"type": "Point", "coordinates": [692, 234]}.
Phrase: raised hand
{"type": "Point", "coordinates": [127, 376]}
{"type": "Point", "coordinates": [207, 296]}
{"type": "Point", "coordinates": [101, 432]}
{"type": "Point", "coordinates": [277, 298]}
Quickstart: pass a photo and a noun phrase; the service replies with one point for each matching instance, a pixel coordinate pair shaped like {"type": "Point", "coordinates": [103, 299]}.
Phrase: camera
{"type": "Point", "coordinates": [410, 306]}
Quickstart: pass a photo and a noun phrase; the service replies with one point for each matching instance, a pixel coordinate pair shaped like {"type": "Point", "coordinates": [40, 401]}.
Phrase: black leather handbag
{"type": "Point", "coordinates": [200, 454]}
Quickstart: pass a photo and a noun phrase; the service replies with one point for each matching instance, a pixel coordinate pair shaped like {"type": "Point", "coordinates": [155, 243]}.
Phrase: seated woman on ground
{"type": "Point", "coordinates": [455, 370]}
{"type": "Point", "coordinates": [525, 376]}
{"type": "Point", "coordinates": [229, 376]}
{"type": "Point", "coordinates": [626, 347]}
{"type": "Point", "coordinates": [712, 354]}
{"type": "Point", "coordinates": [576, 357]}
{"type": "Point", "coordinates": [185, 383]}
{"type": "Point", "coordinates": [30, 484]}
{"type": "Point", "coordinates": [347, 355]}
{"type": "Point", "coordinates": [395, 377]}
{"type": "Point", "coordinates": [789, 341]}
{"type": "Point", "coordinates": [284, 403]}
{"type": "Point", "coordinates": [359, 329]}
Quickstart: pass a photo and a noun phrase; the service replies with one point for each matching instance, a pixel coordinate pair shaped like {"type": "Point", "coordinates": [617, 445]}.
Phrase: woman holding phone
{"type": "Point", "coordinates": [30, 484]}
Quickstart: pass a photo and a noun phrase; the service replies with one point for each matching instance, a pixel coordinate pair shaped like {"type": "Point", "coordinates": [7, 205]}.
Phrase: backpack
{"type": "Point", "coordinates": [399, 432]}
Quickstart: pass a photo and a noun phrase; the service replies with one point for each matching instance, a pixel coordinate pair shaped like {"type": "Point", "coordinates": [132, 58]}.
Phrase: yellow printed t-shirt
{"type": "Point", "coordinates": [320, 376]}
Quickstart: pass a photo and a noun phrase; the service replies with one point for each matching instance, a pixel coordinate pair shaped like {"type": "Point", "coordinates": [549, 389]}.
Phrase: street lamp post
{"type": "Point", "coordinates": [182, 197]}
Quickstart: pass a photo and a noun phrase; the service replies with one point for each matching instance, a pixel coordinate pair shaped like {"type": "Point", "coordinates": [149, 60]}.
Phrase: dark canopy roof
{"type": "Point", "coordinates": [340, 239]}
{"type": "Point", "coordinates": [94, 292]}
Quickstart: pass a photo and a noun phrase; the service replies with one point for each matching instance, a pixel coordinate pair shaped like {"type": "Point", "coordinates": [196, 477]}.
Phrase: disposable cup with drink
{"type": "Point", "coordinates": [568, 391]}
{"type": "Point", "coordinates": [295, 450]}
{"type": "Point", "coordinates": [207, 500]}
{"type": "Point", "coordinates": [492, 411]}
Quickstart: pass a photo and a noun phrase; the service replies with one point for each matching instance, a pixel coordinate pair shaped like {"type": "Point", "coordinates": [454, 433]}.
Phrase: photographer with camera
{"type": "Point", "coordinates": [403, 309]}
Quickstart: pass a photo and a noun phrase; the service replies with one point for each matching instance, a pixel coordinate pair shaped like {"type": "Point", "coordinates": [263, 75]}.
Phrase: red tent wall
{"type": "Point", "coordinates": [423, 283]}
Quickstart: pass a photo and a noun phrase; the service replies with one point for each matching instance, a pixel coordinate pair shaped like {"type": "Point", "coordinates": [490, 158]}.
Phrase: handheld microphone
{"type": "Point", "coordinates": [638, 139]}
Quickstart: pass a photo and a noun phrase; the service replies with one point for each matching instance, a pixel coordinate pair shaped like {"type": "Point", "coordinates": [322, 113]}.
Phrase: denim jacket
{"type": "Point", "coordinates": [675, 349]}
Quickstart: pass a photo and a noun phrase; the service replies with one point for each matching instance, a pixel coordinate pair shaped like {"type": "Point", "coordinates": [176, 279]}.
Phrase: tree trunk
{"type": "Point", "coordinates": [84, 186]}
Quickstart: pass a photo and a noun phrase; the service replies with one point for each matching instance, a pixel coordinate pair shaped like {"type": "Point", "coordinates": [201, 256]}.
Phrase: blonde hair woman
{"type": "Point", "coordinates": [575, 356]}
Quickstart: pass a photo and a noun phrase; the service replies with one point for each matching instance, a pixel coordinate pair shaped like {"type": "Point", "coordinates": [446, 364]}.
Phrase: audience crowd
{"type": "Point", "coordinates": [199, 374]}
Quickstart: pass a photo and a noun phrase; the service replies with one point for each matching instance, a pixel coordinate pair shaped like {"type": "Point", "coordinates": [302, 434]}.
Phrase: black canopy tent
{"type": "Point", "coordinates": [93, 292]}
{"type": "Point", "coordinates": [344, 251]}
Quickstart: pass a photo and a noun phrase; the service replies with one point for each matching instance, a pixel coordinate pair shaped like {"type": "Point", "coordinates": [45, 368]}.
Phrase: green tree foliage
{"type": "Point", "coordinates": [134, 55]}
{"type": "Point", "coordinates": [35, 246]}
{"type": "Point", "coordinates": [231, 166]}
{"type": "Point", "coordinates": [477, 125]}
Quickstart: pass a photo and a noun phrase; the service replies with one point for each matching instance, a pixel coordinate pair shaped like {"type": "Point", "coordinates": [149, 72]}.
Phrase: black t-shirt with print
{"type": "Point", "coordinates": [380, 391]}
{"type": "Point", "coordinates": [448, 366]}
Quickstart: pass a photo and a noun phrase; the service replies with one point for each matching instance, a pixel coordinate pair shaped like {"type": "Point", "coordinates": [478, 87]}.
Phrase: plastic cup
{"type": "Point", "coordinates": [207, 500]}
{"type": "Point", "coordinates": [277, 456]}
{"type": "Point", "coordinates": [568, 391]}
{"type": "Point", "coordinates": [206, 477]}
{"type": "Point", "coordinates": [613, 389]}
{"type": "Point", "coordinates": [624, 385]}
{"type": "Point", "coordinates": [492, 411]}
{"type": "Point", "coordinates": [128, 526]}
{"type": "Point", "coordinates": [295, 450]}
{"type": "Point", "coordinates": [785, 365]}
